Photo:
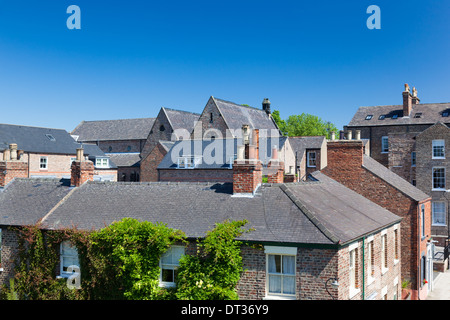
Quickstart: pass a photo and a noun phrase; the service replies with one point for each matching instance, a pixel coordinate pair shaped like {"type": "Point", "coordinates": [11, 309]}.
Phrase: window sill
{"type": "Point", "coordinates": [438, 158]}
{"type": "Point", "coordinates": [384, 270]}
{"type": "Point", "coordinates": [438, 189]}
{"type": "Point", "coordinates": [438, 224]}
{"type": "Point", "coordinates": [167, 284]}
{"type": "Point", "coordinates": [396, 261]}
{"type": "Point", "coordinates": [384, 152]}
{"type": "Point", "coordinates": [269, 297]}
{"type": "Point", "coordinates": [370, 280]}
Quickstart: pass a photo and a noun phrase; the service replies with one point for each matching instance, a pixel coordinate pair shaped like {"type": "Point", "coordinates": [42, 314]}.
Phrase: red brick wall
{"type": "Point", "coordinates": [82, 171]}
{"type": "Point", "coordinates": [12, 169]}
{"type": "Point", "coordinates": [246, 176]}
{"type": "Point", "coordinates": [150, 163]}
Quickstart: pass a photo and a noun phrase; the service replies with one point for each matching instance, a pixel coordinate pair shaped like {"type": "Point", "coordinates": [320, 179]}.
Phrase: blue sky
{"type": "Point", "coordinates": [130, 58]}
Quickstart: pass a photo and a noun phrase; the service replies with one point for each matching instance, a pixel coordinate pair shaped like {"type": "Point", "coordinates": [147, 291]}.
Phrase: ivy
{"type": "Point", "coordinates": [121, 261]}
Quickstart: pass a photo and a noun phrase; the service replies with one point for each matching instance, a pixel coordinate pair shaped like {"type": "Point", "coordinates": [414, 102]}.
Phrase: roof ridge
{"type": "Point", "coordinates": [178, 110]}
{"type": "Point", "coordinates": [239, 105]}
{"type": "Point", "coordinates": [309, 214]}
{"type": "Point", "coordinates": [104, 120]}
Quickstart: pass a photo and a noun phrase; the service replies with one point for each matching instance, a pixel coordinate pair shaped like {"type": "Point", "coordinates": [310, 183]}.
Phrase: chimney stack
{"type": "Point", "coordinates": [415, 98]}
{"type": "Point", "coordinates": [81, 170]}
{"type": "Point", "coordinates": [407, 101]}
{"type": "Point", "coordinates": [12, 167]}
{"type": "Point", "coordinates": [275, 168]}
{"type": "Point", "coordinates": [247, 168]}
{"type": "Point", "coordinates": [266, 105]}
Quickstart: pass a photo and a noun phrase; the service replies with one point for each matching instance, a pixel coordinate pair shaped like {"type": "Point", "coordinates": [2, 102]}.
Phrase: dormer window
{"type": "Point", "coordinates": [445, 114]}
{"type": "Point", "coordinates": [395, 116]}
{"type": "Point", "coordinates": [188, 162]}
{"type": "Point", "coordinates": [369, 117]}
{"type": "Point", "coordinates": [102, 162]}
{"type": "Point", "coordinates": [418, 115]}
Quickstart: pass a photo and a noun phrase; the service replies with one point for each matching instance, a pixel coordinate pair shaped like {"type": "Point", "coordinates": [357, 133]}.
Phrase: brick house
{"type": "Point", "coordinates": [47, 152]}
{"type": "Point", "coordinates": [122, 140]}
{"type": "Point", "coordinates": [348, 165]}
{"type": "Point", "coordinates": [310, 154]}
{"type": "Point", "coordinates": [403, 136]}
{"type": "Point", "coordinates": [170, 125]}
{"type": "Point", "coordinates": [306, 253]}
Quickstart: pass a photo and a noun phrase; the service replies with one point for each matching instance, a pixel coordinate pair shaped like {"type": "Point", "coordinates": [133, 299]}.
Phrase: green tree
{"type": "Point", "coordinates": [304, 124]}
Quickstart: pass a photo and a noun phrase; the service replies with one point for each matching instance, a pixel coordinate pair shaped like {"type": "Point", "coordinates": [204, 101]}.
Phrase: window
{"type": "Point", "coordinates": [162, 128]}
{"type": "Point", "coordinates": [384, 145]}
{"type": "Point", "coordinates": [188, 162]}
{"type": "Point", "coordinates": [418, 115]}
{"type": "Point", "coordinates": [395, 116]}
{"type": "Point", "coordinates": [50, 137]}
{"type": "Point", "coordinates": [422, 219]}
{"type": "Point", "coordinates": [413, 159]}
{"type": "Point", "coordinates": [370, 261]}
{"type": "Point", "coordinates": [438, 178]}
{"type": "Point", "coordinates": [369, 117]}
{"type": "Point", "coordinates": [423, 267]}
{"type": "Point", "coordinates": [445, 113]}
{"type": "Point", "coordinates": [102, 162]}
{"type": "Point", "coordinates": [280, 268]}
{"type": "Point", "coordinates": [438, 149]}
{"type": "Point", "coordinates": [353, 269]}
{"type": "Point", "coordinates": [381, 117]}
{"type": "Point", "coordinates": [169, 264]}
{"type": "Point", "coordinates": [311, 159]}
{"type": "Point", "coordinates": [438, 213]}
{"type": "Point", "coordinates": [211, 120]}
{"type": "Point", "coordinates": [69, 257]}
{"type": "Point", "coordinates": [43, 163]}
{"type": "Point", "coordinates": [396, 244]}
{"type": "Point", "coordinates": [384, 253]}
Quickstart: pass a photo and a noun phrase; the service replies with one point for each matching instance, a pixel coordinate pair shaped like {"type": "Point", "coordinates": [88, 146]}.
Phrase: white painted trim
{"type": "Point", "coordinates": [280, 250]}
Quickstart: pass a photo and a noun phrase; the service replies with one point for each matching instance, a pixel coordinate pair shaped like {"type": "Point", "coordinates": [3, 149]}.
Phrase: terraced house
{"type": "Point", "coordinates": [319, 239]}
{"type": "Point", "coordinates": [411, 139]}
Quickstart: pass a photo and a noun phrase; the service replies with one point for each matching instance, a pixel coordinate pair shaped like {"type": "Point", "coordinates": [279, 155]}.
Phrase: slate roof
{"type": "Point", "coordinates": [125, 159]}
{"type": "Point", "coordinates": [121, 129]}
{"type": "Point", "coordinates": [393, 179]}
{"type": "Point", "coordinates": [236, 115]}
{"type": "Point", "coordinates": [181, 119]}
{"type": "Point", "coordinates": [315, 212]}
{"type": "Point", "coordinates": [431, 113]}
{"type": "Point", "coordinates": [43, 140]}
{"type": "Point", "coordinates": [225, 148]}
{"type": "Point", "coordinates": [24, 201]}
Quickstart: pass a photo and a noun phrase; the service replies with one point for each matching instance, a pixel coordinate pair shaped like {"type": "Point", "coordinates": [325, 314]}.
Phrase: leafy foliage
{"type": "Point", "coordinates": [304, 125]}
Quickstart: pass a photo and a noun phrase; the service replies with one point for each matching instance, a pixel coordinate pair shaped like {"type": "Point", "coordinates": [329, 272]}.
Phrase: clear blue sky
{"type": "Point", "coordinates": [132, 57]}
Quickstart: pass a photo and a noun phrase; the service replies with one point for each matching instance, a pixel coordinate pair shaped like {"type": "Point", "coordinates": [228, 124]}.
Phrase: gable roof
{"type": "Point", "coordinates": [236, 115]}
{"type": "Point", "coordinates": [393, 179]}
{"type": "Point", "coordinates": [121, 129]}
{"type": "Point", "coordinates": [393, 115]}
{"type": "Point", "coordinates": [125, 159]}
{"type": "Point", "coordinates": [38, 139]}
{"type": "Point", "coordinates": [181, 119]}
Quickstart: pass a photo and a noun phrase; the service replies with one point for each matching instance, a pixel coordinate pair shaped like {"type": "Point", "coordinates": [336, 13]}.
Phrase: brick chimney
{"type": "Point", "coordinates": [247, 168]}
{"type": "Point", "coordinates": [81, 170]}
{"type": "Point", "coordinates": [275, 168]}
{"type": "Point", "coordinates": [12, 166]}
{"type": "Point", "coordinates": [407, 101]}
{"type": "Point", "coordinates": [344, 159]}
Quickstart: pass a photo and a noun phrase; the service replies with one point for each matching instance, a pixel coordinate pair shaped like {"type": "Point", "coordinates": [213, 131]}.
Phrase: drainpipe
{"type": "Point", "coordinates": [364, 268]}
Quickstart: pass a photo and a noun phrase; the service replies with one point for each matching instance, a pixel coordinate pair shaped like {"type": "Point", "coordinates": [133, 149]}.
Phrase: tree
{"type": "Point", "coordinates": [304, 125]}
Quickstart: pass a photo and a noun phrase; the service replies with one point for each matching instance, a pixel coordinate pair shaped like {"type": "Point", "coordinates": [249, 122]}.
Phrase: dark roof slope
{"type": "Point", "coordinates": [393, 179]}
{"type": "Point", "coordinates": [24, 201]}
{"type": "Point", "coordinates": [131, 159]}
{"type": "Point", "coordinates": [181, 119]}
{"type": "Point", "coordinates": [37, 139]}
{"type": "Point", "coordinates": [121, 129]}
{"type": "Point", "coordinates": [235, 115]}
{"type": "Point", "coordinates": [393, 115]}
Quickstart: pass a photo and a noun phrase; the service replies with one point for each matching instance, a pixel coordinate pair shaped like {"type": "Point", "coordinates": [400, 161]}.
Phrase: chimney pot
{"type": "Point", "coordinates": [349, 135]}
{"type": "Point", "coordinates": [80, 154]}
{"type": "Point", "coordinates": [13, 150]}
{"type": "Point", "coordinates": [266, 105]}
{"type": "Point", "coordinates": [333, 135]}
{"type": "Point", "coordinates": [358, 134]}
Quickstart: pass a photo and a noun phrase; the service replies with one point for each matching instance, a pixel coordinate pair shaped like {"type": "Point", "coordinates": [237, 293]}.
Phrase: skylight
{"type": "Point", "coordinates": [418, 115]}
{"type": "Point", "coordinates": [381, 117]}
{"type": "Point", "coordinates": [395, 116]}
{"type": "Point", "coordinates": [50, 137]}
{"type": "Point", "coordinates": [445, 114]}
{"type": "Point", "coordinates": [369, 116]}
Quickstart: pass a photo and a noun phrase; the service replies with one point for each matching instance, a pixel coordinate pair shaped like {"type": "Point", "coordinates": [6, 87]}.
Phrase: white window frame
{"type": "Point", "coordinates": [444, 213]}
{"type": "Point", "coordinates": [433, 179]}
{"type": "Point", "coordinates": [370, 260]}
{"type": "Point", "coordinates": [64, 256]}
{"type": "Point", "coordinates": [188, 162]}
{"type": "Point", "coordinates": [384, 148]}
{"type": "Point", "coordinates": [45, 163]}
{"type": "Point", "coordinates": [353, 255]}
{"type": "Point", "coordinates": [436, 146]}
{"type": "Point", "coordinates": [101, 162]}
{"type": "Point", "coordinates": [282, 252]}
{"type": "Point", "coordinates": [384, 253]}
{"type": "Point", "coordinates": [311, 158]}
{"type": "Point", "coordinates": [169, 266]}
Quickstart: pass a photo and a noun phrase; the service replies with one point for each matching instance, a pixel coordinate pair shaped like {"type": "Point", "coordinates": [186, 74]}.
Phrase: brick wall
{"type": "Point", "coordinates": [401, 145]}
{"type": "Point", "coordinates": [9, 252]}
{"type": "Point", "coordinates": [161, 130]}
{"type": "Point", "coordinates": [150, 164]}
{"type": "Point", "coordinates": [132, 145]}
{"type": "Point", "coordinates": [209, 128]}
{"type": "Point", "coordinates": [345, 166]}
{"type": "Point", "coordinates": [12, 169]}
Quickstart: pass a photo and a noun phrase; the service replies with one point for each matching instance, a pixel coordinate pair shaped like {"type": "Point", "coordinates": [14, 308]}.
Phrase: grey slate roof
{"type": "Point", "coordinates": [318, 212]}
{"type": "Point", "coordinates": [121, 129]}
{"type": "Point", "coordinates": [393, 179]}
{"type": "Point", "coordinates": [34, 139]}
{"type": "Point", "coordinates": [431, 113]}
{"type": "Point", "coordinates": [226, 148]}
{"type": "Point", "coordinates": [125, 159]}
{"type": "Point", "coordinates": [24, 201]}
{"type": "Point", "coordinates": [235, 115]}
{"type": "Point", "coordinates": [181, 119]}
